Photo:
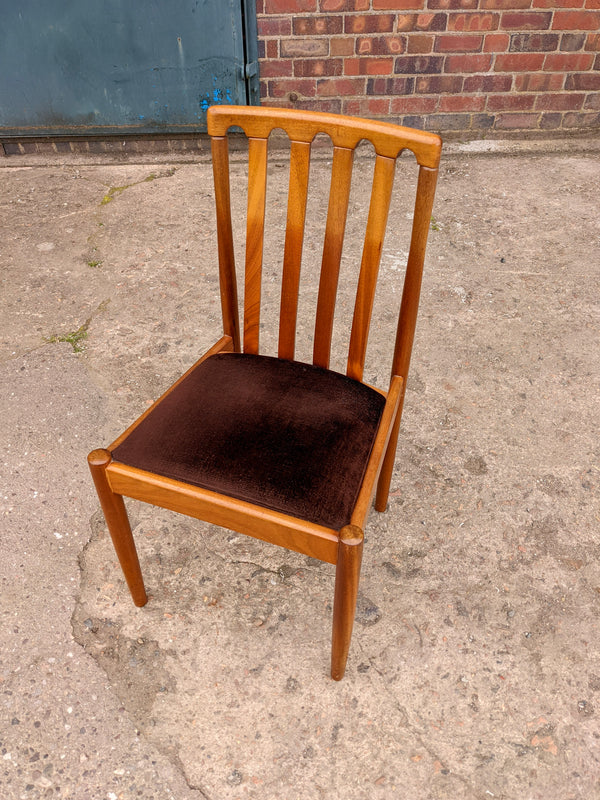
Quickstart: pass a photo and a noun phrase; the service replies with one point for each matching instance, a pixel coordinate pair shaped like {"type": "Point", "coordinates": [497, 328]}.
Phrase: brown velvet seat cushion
{"type": "Point", "coordinates": [280, 434]}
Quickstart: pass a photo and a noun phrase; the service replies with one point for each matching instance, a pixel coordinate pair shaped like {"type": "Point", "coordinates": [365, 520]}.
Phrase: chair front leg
{"type": "Point", "coordinates": [347, 575]}
{"type": "Point", "coordinates": [118, 525]}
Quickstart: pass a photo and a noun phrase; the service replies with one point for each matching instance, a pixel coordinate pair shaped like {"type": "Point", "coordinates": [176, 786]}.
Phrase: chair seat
{"type": "Point", "coordinates": [281, 434]}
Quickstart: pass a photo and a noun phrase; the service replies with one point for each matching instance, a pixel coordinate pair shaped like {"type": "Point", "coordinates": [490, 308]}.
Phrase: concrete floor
{"type": "Point", "coordinates": [474, 670]}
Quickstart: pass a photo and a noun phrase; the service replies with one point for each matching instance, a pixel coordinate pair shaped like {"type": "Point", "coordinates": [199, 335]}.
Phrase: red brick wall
{"type": "Point", "coordinates": [446, 65]}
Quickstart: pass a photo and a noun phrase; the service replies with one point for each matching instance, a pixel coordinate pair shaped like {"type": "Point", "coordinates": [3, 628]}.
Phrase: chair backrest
{"type": "Point", "coordinates": [345, 133]}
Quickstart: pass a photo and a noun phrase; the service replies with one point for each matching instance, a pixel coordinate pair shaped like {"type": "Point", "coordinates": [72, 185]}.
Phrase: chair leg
{"type": "Point", "coordinates": [118, 526]}
{"type": "Point", "coordinates": [385, 476]}
{"type": "Point", "coordinates": [346, 590]}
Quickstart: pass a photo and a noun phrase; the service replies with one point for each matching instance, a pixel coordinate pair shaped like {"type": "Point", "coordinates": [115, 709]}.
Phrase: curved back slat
{"type": "Point", "coordinates": [414, 271]}
{"type": "Point", "coordinates": [255, 234]}
{"type": "Point", "coordinates": [227, 278]}
{"type": "Point", "coordinates": [294, 237]}
{"type": "Point", "coordinates": [381, 194]}
{"type": "Point", "coordinates": [339, 194]}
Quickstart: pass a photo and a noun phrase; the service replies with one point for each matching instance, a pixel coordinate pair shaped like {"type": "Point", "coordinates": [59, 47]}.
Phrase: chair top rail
{"type": "Point", "coordinates": [388, 139]}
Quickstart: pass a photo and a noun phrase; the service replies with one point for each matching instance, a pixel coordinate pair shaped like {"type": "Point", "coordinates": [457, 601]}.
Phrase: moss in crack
{"type": "Point", "coordinates": [115, 191]}
{"type": "Point", "coordinates": [77, 337]}
{"type": "Point", "coordinates": [74, 338]}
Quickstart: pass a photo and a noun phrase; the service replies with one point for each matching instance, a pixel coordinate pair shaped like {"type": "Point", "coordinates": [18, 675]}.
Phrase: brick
{"type": "Point", "coordinates": [510, 102]}
{"type": "Point", "coordinates": [552, 4]}
{"type": "Point", "coordinates": [368, 66]}
{"type": "Point", "coordinates": [289, 6]}
{"type": "Point", "coordinates": [568, 62]}
{"type": "Point", "coordinates": [504, 4]}
{"type": "Point", "coordinates": [333, 106]}
{"type": "Point", "coordinates": [303, 48]}
{"type": "Point", "coordinates": [337, 5]}
{"type": "Point", "coordinates": [341, 46]}
{"type": "Point", "coordinates": [367, 106]}
{"type": "Point", "coordinates": [496, 42]}
{"type": "Point", "coordinates": [283, 86]}
{"type": "Point", "coordinates": [487, 83]}
{"type": "Point", "coordinates": [592, 101]}
{"type": "Point", "coordinates": [318, 26]}
{"type": "Point", "coordinates": [431, 22]}
{"type": "Point", "coordinates": [533, 42]}
{"type": "Point", "coordinates": [550, 121]}
{"type": "Point", "coordinates": [581, 120]}
{"type": "Point", "coordinates": [406, 22]}
{"type": "Point", "coordinates": [458, 42]}
{"type": "Point", "coordinates": [397, 5]}
{"type": "Point", "coordinates": [413, 105]}
{"type": "Point", "coordinates": [419, 44]}
{"type": "Point", "coordinates": [539, 82]}
{"type": "Point", "coordinates": [482, 121]}
{"type": "Point", "coordinates": [380, 45]}
{"type": "Point", "coordinates": [576, 21]}
{"type": "Point", "coordinates": [390, 86]}
{"type": "Point", "coordinates": [560, 102]}
{"type": "Point", "coordinates": [262, 49]}
{"type": "Point", "coordinates": [461, 102]}
{"type": "Point", "coordinates": [275, 69]}
{"type": "Point", "coordinates": [517, 121]}
{"type": "Point", "coordinates": [419, 65]}
{"type": "Point", "coordinates": [340, 87]}
{"type": "Point", "coordinates": [583, 81]}
{"type": "Point", "coordinates": [571, 42]}
{"type": "Point", "coordinates": [307, 68]}
{"type": "Point", "coordinates": [438, 84]}
{"type": "Point", "coordinates": [352, 107]}
{"type": "Point", "coordinates": [452, 4]}
{"type": "Point", "coordinates": [595, 4]}
{"type": "Point", "coordinates": [274, 26]}
{"type": "Point", "coordinates": [518, 62]}
{"type": "Point", "coordinates": [272, 50]}
{"type": "Point", "coordinates": [468, 63]}
{"type": "Point", "coordinates": [413, 121]}
{"type": "Point", "coordinates": [473, 22]}
{"type": "Point", "coordinates": [377, 105]}
{"type": "Point", "coordinates": [592, 41]}
{"type": "Point", "coordinates": [452, 122]}
{"type": "Point", "coordinates": [372, 23]}
{"type": "Point", "coordinates": [526, 21]}
{"type": "Point", "coordinates": [263, 89]}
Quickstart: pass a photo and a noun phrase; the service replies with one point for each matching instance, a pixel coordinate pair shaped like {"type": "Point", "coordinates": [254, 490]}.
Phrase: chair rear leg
{"type": "Point", "coordinates": [385, 476]}
{"type": "Point", "coordinates": [118, 526]}
{"type": "Point", "coordinates": [346, 591]}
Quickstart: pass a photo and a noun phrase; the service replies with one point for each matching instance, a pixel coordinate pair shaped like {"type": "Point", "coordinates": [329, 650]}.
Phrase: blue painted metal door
{"type": "Point", "coordinates": [81, 67]}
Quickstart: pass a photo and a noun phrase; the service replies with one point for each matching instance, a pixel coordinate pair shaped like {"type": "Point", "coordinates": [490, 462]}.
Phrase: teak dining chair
{"type": "Point", "coordinates": [284, 451]}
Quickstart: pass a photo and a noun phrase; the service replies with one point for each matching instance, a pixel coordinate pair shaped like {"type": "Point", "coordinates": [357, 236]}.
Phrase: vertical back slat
{"type": "Point", "coordinates": [227, 277]}
{"type": "Point", "coordinates": [339, 194]}
{"type": "Point", "coordinates": [414, 271]}
{"type": "Point", "coordinates": [383, 179]}
{"type": "Point", "coordinates": [294, 237]}
{"type": "Point", "coordinates": [255, 228]}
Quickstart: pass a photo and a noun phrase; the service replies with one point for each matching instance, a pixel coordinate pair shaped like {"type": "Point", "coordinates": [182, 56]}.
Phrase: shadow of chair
{"type": "Point", "coordinates": [281, 450]}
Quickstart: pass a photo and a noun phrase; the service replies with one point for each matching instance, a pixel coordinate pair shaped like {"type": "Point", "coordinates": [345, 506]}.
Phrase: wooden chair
{"type": "Point", "coordinates": [274, 448]}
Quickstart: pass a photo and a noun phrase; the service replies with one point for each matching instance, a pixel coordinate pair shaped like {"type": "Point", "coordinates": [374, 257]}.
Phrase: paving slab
{"type": "Point", "coordinates": [474, 670]}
